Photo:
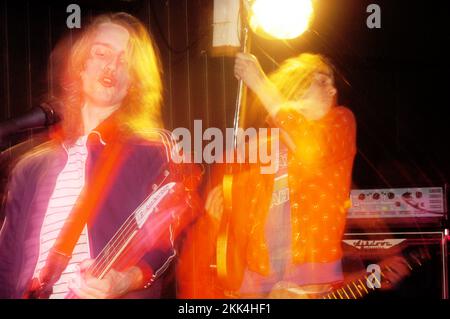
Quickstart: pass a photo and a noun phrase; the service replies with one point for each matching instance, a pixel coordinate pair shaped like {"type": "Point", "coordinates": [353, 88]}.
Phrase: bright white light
{"type": "Point", "coordinates": [282, 19]}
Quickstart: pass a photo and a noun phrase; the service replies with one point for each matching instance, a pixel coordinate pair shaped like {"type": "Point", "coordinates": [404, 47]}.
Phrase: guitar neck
{"type": "Point", "coordinates": [113, 250]}
{"type": "Point", "coordinates": [355, 289]}
{"type": "Point", "coordinates": [362, 286]}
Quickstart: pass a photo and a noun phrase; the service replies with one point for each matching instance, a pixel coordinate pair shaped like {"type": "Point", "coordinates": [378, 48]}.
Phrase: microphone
{"type": "Point", "coordinates": [39, 116]}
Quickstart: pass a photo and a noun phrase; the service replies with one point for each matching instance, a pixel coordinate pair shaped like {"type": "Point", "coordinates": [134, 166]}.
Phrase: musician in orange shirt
{"type": "Point", "coordinates": [285, 235]}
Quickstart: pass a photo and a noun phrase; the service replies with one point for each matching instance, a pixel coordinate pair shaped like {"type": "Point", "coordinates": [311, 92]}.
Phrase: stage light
{"type": "Point", "coordinates": [281, 19]}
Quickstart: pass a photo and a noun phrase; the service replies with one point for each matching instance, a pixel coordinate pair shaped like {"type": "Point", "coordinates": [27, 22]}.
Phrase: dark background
{"type": "Point", "coordinates": [395, 82]}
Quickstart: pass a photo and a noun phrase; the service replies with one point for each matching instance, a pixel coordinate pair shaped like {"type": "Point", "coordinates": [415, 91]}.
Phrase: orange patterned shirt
{"type": "Point", "coordinates": [320, 171]}
{"type": "Point", "coordinates": [319, 178]}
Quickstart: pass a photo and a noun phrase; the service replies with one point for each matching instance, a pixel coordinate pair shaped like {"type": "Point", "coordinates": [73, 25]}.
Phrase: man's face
{"type": "Point", "coordinates": [106, 77]}
{"type": "Point", "coordinates": [319, 97]}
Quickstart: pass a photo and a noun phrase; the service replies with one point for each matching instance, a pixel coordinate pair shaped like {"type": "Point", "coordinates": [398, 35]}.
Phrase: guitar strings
{"type": "Point", "coordinates": [361, 291]}
{"type": "Point", "coordinates": [121, 236]}
{"type": "Point", "coordinates": [101, 262]}
{"type": "Point", "coordinates": [113, 243]}
{"type": "Point", "coordinates": [111, 248]}
{"type": "Point", "coordinates": [118, 240]}
{"type": "Point", "coordinates": [118, 243]}
{"type": "Point", "coordinates": [166, 138]}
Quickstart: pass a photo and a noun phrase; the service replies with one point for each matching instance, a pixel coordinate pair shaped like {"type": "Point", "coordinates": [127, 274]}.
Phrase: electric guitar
{"type": "Point", "coordinates": [357, 288]}
{"type": "Point", "coordinates": [362, 286]}
{"type": "Point", "coordinates": [167, 208]}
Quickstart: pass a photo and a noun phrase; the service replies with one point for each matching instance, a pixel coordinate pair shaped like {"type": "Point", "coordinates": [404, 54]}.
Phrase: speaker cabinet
{"type": "Point", "coordinates": [428, 279]}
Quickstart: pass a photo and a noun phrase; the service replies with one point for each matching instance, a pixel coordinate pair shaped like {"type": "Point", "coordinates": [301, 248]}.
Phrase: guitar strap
{"type": "Point", "coordinates": [60, 254]}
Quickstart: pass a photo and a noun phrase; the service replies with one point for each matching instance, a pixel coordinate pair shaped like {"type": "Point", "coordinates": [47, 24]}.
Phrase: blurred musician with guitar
{"type": "Point", "coordinates": [284, 229]}
{"type": "Point", "coordinates": [75, 197]}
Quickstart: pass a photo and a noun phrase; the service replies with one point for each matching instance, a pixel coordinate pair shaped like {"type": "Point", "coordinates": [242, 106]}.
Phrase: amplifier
{"type": "Point", "coordinates": [415, 207]}
{"type": "Point", "coordinates": [428, 278]}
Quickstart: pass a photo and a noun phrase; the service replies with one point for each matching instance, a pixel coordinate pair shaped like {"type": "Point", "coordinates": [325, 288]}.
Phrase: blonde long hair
{"type": "Point", "coordinates": [141, 109]}
{"type": "Point", "coordinates": [292, 78]}
{"type": "Point", "coordinates": [295, 75]}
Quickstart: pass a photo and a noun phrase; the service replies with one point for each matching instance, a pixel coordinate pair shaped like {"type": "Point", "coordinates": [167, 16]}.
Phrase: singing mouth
{"type": "Point", "coordinates": [107, 81]}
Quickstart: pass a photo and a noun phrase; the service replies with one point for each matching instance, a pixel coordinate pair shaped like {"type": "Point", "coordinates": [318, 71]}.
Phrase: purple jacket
{"type": "Point", "coordinates": [31, 185]}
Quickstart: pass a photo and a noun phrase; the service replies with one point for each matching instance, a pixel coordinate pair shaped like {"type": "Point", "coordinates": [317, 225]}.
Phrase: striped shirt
{"type": "Point", "coordinates": [69, 184]}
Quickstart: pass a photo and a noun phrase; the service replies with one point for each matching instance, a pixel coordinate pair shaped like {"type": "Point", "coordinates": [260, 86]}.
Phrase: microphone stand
{"type": "Point", "coordinates": [38, 117]}
{"type": "Point", "coordinates": [239, 113]}
{"type": "Point", "coordinates": [225, 258]}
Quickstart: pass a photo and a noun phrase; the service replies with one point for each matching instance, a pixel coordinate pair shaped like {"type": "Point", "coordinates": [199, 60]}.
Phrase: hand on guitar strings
{"type": "Point", "coordinates": [113, 285]}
